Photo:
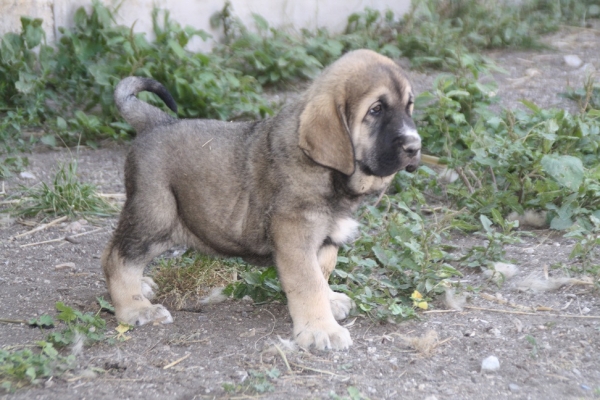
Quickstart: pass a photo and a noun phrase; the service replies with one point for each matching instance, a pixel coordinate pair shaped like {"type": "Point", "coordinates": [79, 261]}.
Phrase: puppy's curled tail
{"type": "Point", "coordinates": [139, 114]}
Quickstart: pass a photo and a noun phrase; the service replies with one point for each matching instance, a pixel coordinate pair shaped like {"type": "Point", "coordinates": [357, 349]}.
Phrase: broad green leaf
{"type": "Point", "coordinates": [486, 223]}
{"type": "Point", "coordinates": [566, 170]}
{"type": "Point", "coordinates": [67, 314]}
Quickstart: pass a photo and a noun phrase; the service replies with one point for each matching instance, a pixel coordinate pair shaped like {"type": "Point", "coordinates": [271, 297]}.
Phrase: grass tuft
{"type": "Point", "coordinates": [65, 196]}
{"type": "Point", "coordinates": [191, 277]}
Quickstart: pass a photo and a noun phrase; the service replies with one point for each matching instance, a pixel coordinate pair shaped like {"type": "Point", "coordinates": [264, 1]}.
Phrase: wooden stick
{"type": "Point", "coordinates": [317, 370]}
{"type": "Point", "coordinates": [537, 314]}
{"type": "Point", "coordinates": [465, 180]}
{"type": "Point", "coordinates": [13, 321]}
{"type": "Point", "coordinates": [41, 227]}
{"type": "Point", "coordinates": [61, 239]}
{"type": "Point", "coordinates": [177, 361]}
{"type": "Point", "coordinates": [282, 354]}
{"type": "Point", "coordinates": [117, 196]}
{"type": "Point", "coordinates": [431, 160]}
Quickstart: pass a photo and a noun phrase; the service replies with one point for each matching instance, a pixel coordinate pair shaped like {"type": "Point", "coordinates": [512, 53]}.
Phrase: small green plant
{"type": "Point", "coordinates": [12, 164]}
{"type": "Point", "coordinates": [261, 285]}
{"type": "Point", "coordinates": [21, 367]}
{"type": "Point", "coordinates": [79, 326]}
{"type": "Point", "coordinates": [587, 246]}
{"type": "Point", "coordinates": [271, 55]}
{"type": "Point", "coordinates": [588, 97]}
{"type": "Point", "coordinates": [399, 252]}
{"type": "Point", "coordinates": [534, 346]}
{"type": "Point", "coordinates": [30, 366]}
{"type": "Point", "coordinates": [66, 195]}
{"type": "Point", "coordinates": [493, 250]}
{"type": "Point", "coordinates": [257, 382]}
{"type": "Point", "coordinates": [353, 394]}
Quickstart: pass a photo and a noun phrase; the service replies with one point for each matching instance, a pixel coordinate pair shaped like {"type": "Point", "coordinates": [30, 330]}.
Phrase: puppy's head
{"type": "Point", "coordinates": [358, 117]}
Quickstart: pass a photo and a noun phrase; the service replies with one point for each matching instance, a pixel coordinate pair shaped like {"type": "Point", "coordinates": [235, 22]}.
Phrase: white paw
{"type": "Point", "coordinates": [322, 335]}
{"type": "Point", "coordinates": [143, 315]}
{"type": "Point", "coordinates": [340, 305]}
{"type": "Point", "coordinates": [148, 287]}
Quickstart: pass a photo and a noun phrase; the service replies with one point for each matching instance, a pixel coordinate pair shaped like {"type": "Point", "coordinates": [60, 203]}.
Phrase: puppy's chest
{"type": "Point", "coordinates": [343, 230]}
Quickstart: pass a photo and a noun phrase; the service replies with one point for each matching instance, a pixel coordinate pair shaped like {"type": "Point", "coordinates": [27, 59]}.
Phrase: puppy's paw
{"type": "Point", "coordinates": [143, 315]}
{"type": "Point", "coordinates": [340, 305]}
{"type": "Point", "coordinates": [148, 287]}
{"type": "Point", "coordinates": [323, 335]}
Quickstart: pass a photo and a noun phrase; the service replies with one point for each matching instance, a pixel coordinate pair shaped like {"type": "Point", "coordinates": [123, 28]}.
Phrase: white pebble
{"type": "Point", "coordinates": [490, 364]}
{"type": "Point", "coordinates": [573, 61]}
{"type": "Point", "coordinates": [27, 175]}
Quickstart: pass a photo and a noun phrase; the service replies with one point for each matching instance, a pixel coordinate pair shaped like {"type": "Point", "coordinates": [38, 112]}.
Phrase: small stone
{"type": "Point", "coordinates": [573, 61]}
{"type": "Point", "coordinates": [27, 175]}
{"type": "Point", "coordinates": [576, 372]}
{"type": "Point", "coordinates": [585, 387]}
{"type": "Point", "coordinates": [513, 387]}
{"type": "Point", "coordinates": [67, 265]}
{"type": "Point", "coordinates": [76, 226]}
{"type": "Point", "coordinates": [241, 376]}
{"type": "Point", "coordinates": [371, 350]}
{"type": "Point", "coordinates": [490, 364]}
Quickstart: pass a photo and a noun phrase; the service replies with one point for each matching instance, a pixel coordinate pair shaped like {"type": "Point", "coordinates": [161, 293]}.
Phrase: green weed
{"type": "Point", "coordinates": [258, 382]}
{"type": "Point", "coordinates": [353, 394]}
{"type": "Point", "coordinates": [30, 366]}
{"type": "Point", "coordinates": [271, 55]}
{"type": "Point", "coordinates": [588, 97]}
{"type": "Point", "coordinates": [66, 195]}
{"type": "Point", "coordinates": [261, 285]}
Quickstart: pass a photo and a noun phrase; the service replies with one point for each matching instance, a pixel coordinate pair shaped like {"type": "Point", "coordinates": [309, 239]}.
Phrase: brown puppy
{"type": "Point", "coordinates": [281, 190]}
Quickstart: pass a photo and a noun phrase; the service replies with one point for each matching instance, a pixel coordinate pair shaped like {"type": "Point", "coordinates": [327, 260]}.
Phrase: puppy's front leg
{"type": "Point", "coordinates": [340, 303]}
{"type": "Point", "coordinates": [307, 291]}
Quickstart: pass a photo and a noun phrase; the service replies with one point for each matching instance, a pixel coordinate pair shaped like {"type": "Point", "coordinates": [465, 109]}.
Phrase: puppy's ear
{"type": "Point", "coordinates": [324, 134]}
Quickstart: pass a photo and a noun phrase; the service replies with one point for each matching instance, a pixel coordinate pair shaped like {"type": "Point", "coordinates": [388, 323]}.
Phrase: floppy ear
{"type": "Point", "coordinates": [324, 134]}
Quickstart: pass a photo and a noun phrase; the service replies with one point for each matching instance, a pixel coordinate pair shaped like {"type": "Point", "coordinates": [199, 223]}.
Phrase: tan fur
{"type": "Point", "coordinates": [280, 190]}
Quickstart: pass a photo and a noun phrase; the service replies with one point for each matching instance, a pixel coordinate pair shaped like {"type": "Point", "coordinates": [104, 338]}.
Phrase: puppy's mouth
{"type": "Point", "coordinates": [407, 162]}
{"type": "Point", "coordinates": [411, 152]}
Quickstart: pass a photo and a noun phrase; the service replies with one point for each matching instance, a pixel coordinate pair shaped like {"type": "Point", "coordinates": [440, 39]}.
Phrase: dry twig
{"type": "Point", "coordinates": [177, 361]}
{"type": "Point", "coordinates": [41, 227]}
{"type": "Point", "coordinates": [62, 238]}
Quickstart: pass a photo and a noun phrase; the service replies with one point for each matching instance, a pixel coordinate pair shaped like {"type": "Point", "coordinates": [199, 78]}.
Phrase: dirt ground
{"type": "Point", "coordinates": [542, 355]}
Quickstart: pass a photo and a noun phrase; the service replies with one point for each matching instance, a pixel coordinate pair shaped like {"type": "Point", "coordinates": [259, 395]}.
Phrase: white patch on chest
{"type": "Point", "coordinates": [345, 230]}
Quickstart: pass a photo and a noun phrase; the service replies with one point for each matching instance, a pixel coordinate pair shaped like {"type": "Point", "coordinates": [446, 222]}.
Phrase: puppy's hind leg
{"type": "Point", "coordinates": [143, 233]}
{"type": "Point", "coordinates": [129, 290]}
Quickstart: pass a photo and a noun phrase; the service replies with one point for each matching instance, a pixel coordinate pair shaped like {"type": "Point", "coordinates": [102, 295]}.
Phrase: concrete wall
{"type": "Point", "coordinates": [297, 14]}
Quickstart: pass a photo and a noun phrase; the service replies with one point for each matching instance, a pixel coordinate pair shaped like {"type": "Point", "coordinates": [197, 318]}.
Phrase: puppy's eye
{"type": "Point", "coordinates": [410, 106]}
{"type": "Point", "coordinates": [375, 110]}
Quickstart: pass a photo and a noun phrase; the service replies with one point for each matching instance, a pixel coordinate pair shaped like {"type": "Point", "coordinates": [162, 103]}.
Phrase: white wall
{"type": "Point", "coordinates": [295, 14]}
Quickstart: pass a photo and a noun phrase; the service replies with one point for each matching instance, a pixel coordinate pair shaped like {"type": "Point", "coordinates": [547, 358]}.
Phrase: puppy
{"type": "Point", "coordinates": [281, 190]}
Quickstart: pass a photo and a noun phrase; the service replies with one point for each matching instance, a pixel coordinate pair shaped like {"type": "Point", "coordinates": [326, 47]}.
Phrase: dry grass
{"type": "Point", "coordinates": [187, 281]}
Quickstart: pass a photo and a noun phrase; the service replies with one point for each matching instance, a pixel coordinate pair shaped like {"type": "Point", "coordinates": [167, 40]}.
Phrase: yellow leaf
{"type": "Point", "coordinates": [122, 328]}
{"type": "Point", "coordinates": [416, 295]}
{"type": "Point", "coordinates": [422, 304]}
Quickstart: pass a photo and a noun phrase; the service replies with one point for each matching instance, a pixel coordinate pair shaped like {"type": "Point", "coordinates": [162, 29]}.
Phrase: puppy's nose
{"type": "Point", "coordinates": [412, 144]}
{"type": "Point", "coordinates": [412, 150]}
